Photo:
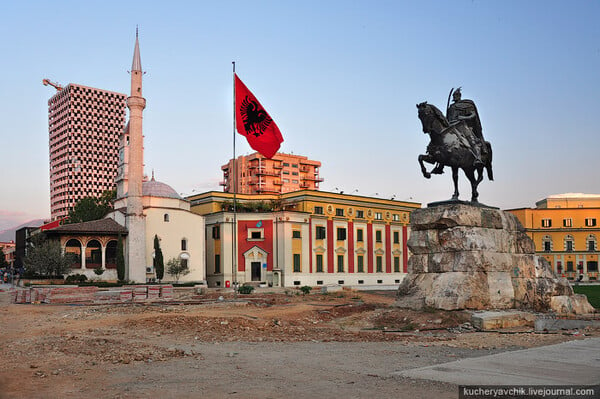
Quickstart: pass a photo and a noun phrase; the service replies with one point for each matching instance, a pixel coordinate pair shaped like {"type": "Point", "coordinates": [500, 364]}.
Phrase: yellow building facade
{"type": "Point", "coordinates": [565, 231]}
{"type": "Point", "coordinates": [305, 237]}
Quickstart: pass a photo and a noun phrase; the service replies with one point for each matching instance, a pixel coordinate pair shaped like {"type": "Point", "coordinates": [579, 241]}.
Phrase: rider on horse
{"type": "Point", "coordinates": [465, 110]}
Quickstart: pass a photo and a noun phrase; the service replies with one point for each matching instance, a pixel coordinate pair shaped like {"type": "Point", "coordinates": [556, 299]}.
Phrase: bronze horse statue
{"type": "Point", "coordinates": [451, 146]}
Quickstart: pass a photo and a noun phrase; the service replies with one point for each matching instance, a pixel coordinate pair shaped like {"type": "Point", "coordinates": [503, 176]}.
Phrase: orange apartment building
{"type": "Point", "coordinates": [565, 231]}
{"type": "Point", "coordinates": [282, 174]}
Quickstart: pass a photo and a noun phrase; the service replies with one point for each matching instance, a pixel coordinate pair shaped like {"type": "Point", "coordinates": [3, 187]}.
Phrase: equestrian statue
{"type": "Point", "coordinates": [456, 141]}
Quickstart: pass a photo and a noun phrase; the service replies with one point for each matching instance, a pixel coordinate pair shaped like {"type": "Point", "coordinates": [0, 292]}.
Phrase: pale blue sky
{"type": "Point", "coordinates": [340, 78]}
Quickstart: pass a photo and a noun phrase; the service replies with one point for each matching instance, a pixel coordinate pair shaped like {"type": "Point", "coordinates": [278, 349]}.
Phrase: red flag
{"type": "Point", "coordinates": [253, 122]}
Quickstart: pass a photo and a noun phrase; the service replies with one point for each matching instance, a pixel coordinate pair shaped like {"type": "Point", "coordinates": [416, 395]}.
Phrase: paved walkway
{"type": "Point", "coordinates": [569, 363]}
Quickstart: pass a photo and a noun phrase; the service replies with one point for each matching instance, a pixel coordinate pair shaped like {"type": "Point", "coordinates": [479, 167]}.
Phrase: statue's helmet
{"type": "Point", "coordinates": [457, 94]}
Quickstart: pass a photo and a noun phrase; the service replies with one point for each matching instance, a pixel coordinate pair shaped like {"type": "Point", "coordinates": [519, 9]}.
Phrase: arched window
{"type": "Point", "coordinates": [73, 247]}
{"type": "Point", "coordinates": [591, 243]}
{"type": "Point", "coordinates": [93, 255]}
{"type": "Point", "coordinates": [166, 217]}
{"type": "Point", "coordinates": [547, 243]}
{"type": "Point", "coordinates": [183, 244]}
{"type": "Point", "coordinates": [111, 255]}
{"type": "Point", "coordinates": [569, 243]}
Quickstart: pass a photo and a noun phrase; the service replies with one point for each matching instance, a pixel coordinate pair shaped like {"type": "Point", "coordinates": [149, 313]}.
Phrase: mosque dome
{"type": "Point", "coordinates": [153, 188]}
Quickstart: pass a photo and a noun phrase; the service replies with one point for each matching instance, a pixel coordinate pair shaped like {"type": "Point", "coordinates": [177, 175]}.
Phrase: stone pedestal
{"type": "Point", "coordinates": [469, 257]}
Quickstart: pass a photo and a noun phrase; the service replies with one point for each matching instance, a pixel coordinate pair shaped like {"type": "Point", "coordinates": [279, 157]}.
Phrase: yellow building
{"type": "Point", "coordinates": [565, 231]}
{"type": "Point", "coordinates": [304, 237]}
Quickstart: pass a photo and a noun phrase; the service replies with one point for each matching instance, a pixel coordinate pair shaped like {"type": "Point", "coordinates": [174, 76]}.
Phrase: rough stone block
{"type": "Point", "coordinates": [501, 291]}
{"type": "Point", "coordinates": [418, 263]}
{"type": "Point", "coordinates": [492, 320]}
{"type": "Point", "coordinates": [574, 304]}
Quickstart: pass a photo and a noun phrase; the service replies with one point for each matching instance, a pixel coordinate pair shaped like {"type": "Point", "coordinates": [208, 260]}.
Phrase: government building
{"type": "Point", "coordinates": [565, 231]}
{"type": "Point", "coordinates": [305, 237]}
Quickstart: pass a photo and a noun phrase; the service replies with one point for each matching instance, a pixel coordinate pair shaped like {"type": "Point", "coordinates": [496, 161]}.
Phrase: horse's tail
{"type": "Point", "coordinates": [488, 164]}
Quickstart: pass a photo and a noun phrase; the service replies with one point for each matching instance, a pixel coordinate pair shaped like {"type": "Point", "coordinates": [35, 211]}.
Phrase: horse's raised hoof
{"type": "Point", "coordinates": [427, 175]}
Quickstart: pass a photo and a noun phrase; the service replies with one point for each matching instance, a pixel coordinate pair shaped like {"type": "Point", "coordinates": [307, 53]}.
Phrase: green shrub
{"type": "Point", "coordinates": [305, 289]}
{"type": "Point", "coordinates": [246, 289]}
{"type": "Point", "coordinates": [99, 270]}
{"type": "Point", "coordinates": [76, 278]}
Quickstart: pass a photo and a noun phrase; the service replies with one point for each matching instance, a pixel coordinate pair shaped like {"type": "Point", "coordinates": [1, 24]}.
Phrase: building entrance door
{"type": "Point", "coordinates": [255, 266]}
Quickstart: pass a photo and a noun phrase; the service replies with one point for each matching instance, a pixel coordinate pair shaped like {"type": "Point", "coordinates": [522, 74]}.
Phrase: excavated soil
{"type": "Point", "coordinates": [259, 346]}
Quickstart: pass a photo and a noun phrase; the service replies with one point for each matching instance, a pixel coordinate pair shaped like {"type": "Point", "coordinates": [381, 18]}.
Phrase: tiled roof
{"type": "Point", "coordinates": [102, 226]}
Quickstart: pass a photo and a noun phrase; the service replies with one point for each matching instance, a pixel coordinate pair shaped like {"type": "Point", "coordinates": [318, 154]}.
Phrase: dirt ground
{"type": "Point", "coordinates": [343, 344]}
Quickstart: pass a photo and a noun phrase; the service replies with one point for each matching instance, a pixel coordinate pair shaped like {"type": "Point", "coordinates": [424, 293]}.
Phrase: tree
{"type": "Point", "coordinates": [158, 261]}
{"type": "Point", "coordinates": [3, 262]}
{"type": "Point", "coordinates": [92, 208]}
{"type": "Point", "coordinates": [120, 259]}
{"type": "Point", "coordinates": [177, 267]}
{"type": "Point", "coordinates": [47, 259]}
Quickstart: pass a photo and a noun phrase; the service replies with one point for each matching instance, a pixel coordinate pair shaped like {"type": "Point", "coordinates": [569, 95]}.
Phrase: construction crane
{"type": "Point", "coordinates": [57, 86]}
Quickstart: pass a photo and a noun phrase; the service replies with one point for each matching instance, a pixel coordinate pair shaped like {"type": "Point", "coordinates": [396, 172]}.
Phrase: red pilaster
{"type": "Point", "coordinates": [388, 248]}
{"type": "Point", "coordinates": [350, 247]}
{"type": "Point", "coordinates": [330, 247]}
{"type": "Point", "coordinates": [371, 248]}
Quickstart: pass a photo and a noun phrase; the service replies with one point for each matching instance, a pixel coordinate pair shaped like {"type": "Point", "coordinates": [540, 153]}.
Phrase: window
{"type": "Point", "coordinates": [184, 262]}
{"type": "Point", "coordinates": [569, 243]}
{"type": "Point", "coordinates": [378, 216]}
{"type": "Point", "coordinates": [216, 232]}
{"type": "Point", "coordinates": [296, 234]}
{"type": "Point", "coordinates": [396, 264]}
{"type": "Point", "coordinates": [294, 165]}
{"type": "Point", "coordinates": [339, 212]}
{"type": "Point", "coordinates": [396, 217]}
{"type": "Point", "coordinates": [341, 233]}
{"type": "Point", "coordinates": [318, 210]}
{"type": "Point", "coordinates": [591, 243]}
{"type": "Point", "coordinates": [166, 217]}
{"type": "Point", "coordinates": [570, 266]}
{"type": "Point", "coordinates": [379, 263]}
{"type": "Point", "coordinates": [360, 261]}
{"type": "Point", "coordinates": [547, 243]}
{"type": "Point", "coordinates": [569, 246]}
{"type": "Point", "coordinates": [297, 263]}
{"type": "Point", "coordinates": [592, 266]}
{"type": "Point", "coordinates": [340, 263]}
{"type": "Point", "coordinates": [590, 222]}
{"type": "Point", "coordinates": [184, 244]}
{"type": "Point", "coordinates": [378, 236]}
{"type": "Point", "coordinates": [286, 164]}
{"type": "Point", "coordinates": [359, 235]}
{"type": "Point", "coordinates": [294, 173]}
{"type": "Point", "coordinates": [546, 222]}
{"type": "Point", "coordinates": [295, 181]}
{"type": "Point", "coordinates": [320, 233]}
{"type": "Point", "coordinates": [568, 222]}
{"type": "Point", "coordinates": [217, 263]}
{"type": "Point", "coordinates": [396, 237]}
{"type": "Point", "coordinates": [255, 234]}
{"type": "Point", "coordinates": [360, 214]}
{"type": "Point", "coordinates": [319, 263]}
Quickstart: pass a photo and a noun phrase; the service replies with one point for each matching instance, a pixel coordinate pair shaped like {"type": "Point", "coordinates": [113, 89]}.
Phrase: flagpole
{"type": "Point", "coordinates": [234, 229]}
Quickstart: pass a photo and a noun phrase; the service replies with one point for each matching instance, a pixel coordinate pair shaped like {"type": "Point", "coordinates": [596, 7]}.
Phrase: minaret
{"type": "Point", "coordinates": [135, 221]}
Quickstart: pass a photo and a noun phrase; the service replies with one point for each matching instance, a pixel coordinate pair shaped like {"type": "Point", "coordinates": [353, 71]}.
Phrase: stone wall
{"type": "Point", "coordinates": [471, 257]}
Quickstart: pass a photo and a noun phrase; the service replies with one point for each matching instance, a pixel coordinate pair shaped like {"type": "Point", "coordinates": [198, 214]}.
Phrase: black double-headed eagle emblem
{"type": "Point", "coordinates": [255, 118]}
